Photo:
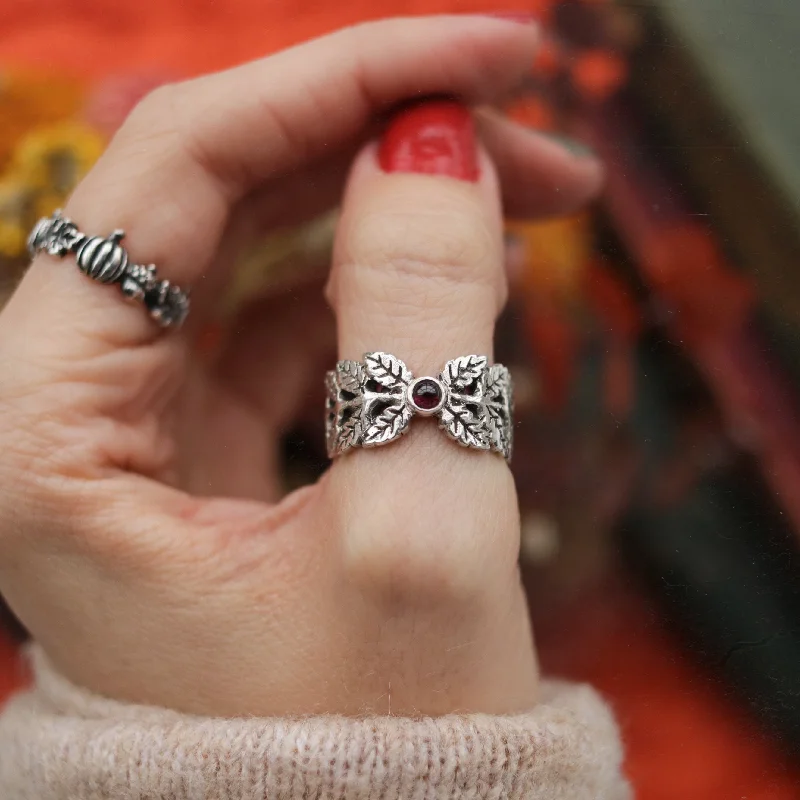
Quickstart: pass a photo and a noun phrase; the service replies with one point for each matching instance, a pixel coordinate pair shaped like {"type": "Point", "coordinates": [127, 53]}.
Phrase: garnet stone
{"type": "Point", "coordinates": [426, 395]}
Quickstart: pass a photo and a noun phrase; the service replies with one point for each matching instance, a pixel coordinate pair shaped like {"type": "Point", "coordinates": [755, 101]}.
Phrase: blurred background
{"type": "Point", "coordinates": [655, 338]}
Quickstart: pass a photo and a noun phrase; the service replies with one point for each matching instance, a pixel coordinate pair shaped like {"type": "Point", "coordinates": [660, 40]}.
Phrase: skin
{"type": "Point", "coordinates": [143, 540]}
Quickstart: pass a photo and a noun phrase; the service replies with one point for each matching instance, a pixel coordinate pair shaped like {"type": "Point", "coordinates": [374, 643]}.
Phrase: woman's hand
{"type": "Point", "coordinates": [142, 540]}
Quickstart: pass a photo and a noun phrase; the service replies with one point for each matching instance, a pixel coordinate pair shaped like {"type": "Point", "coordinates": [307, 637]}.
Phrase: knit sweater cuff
{"type": "Point", "coordinates": [58, 741]}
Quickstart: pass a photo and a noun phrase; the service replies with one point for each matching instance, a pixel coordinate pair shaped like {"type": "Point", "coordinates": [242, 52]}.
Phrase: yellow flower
{"type": "Point", "coordinates": [12, 240]}
{"type": "Point", "coordinates": [14, 200]}
{"type": "Point", "coordinates": [57, 157]}
{"type": "Point", "coordinates": [44, 168]}
{"type": "Point", "coordinates": [28, 101]}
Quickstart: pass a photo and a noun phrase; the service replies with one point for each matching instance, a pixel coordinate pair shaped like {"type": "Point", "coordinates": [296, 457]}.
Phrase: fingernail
{"type": "Point", "coordinates": [522, 17]}
{"type": "Point", "coordinates": [572, 146]}
{"type": "Point", "coordinates": [435, 137]}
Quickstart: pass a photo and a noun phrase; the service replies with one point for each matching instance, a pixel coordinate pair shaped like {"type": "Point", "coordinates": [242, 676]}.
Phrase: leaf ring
{"type": "Point", "coordinates": [371, 403]}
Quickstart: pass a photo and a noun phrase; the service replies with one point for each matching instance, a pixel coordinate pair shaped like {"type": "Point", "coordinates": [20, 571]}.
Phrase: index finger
{"type": "Point", "coordinates": [191, 150]}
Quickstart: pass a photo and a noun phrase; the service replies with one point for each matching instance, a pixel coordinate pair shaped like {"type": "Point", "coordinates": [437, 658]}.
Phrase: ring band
{"type": "Point", "coordinates": [106, 261]}
{"type": "Point", "coordinates": [371, 403]}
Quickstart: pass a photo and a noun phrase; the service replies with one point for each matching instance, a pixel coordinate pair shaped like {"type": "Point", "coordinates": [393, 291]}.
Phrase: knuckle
{"type": "Point", "coordinates": [155, 108]}
{"type": "Point", "coordinates": [35, 448]}
{"type": "Point", "coordinates": [391, 563]}
{"type": "Point", "coordinates": [150, 137]}
{"type": "Point", "coordinates": [449, 550]}
{"type": "Point", "coordinates": [174, 116]}
{"type": "Point", "coordinates": [39, 498]}
{"type": "Point", "coordinates": [446, 245]}
{"type": "Point", "coordinates": [46, 463]}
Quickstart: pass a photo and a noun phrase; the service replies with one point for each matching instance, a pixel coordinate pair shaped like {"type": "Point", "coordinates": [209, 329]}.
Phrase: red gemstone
{"type": "Point", "coordinates": [426, 395]}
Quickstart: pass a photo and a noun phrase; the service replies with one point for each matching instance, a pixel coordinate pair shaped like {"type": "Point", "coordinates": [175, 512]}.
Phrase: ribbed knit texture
{"type": "Point", "coordinates": [60, 742]}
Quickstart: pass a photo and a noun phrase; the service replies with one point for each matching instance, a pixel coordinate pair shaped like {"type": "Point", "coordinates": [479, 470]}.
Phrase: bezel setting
{"type": "Point", "coordinates": [422, 410]}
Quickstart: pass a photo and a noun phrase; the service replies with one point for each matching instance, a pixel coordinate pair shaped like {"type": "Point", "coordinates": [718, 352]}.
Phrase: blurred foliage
{"type": "Point", "coordinates": [41, 171]}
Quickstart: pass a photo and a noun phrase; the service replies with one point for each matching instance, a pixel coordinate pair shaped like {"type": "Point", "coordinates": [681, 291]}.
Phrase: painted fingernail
{"type": "Point", "coordinates": [522, 17]}
{"type": "Point", "coordinates": [435, 137]}
{"type": "Point", "coordinates": [572, 146]}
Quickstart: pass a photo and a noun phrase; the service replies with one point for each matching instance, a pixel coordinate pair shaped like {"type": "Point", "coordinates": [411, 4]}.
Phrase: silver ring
{"type": "Point", "coordinates": [105, 260]}
{"type": "Point", "coordinates": [371, 403]}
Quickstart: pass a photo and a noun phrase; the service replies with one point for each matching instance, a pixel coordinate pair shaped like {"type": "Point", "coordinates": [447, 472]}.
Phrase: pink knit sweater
{"type": "Point", "coordinates": [59, 742]}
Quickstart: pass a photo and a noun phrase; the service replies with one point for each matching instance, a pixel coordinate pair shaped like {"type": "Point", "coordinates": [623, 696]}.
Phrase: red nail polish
{"type": "Point", "coordinates": [523, 17]}
{"type": "Point", "coordinates": [436, 137]}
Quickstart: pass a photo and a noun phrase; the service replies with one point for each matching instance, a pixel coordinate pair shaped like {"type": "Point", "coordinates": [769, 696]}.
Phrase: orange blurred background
{"type": "Point", "coordinates": [685, 738]}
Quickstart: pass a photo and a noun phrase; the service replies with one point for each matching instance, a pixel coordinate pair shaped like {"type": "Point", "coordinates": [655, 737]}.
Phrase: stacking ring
{"type": "Point", "coordinates": [105, 260]}
{"type": "Point", "coordinates": [372, 402]}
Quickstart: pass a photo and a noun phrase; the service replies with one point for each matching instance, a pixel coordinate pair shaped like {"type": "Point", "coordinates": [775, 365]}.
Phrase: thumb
{"type": "Point", "coordinates": [418, 273]}
{"type": "Point", "coordinates": [419, 247]}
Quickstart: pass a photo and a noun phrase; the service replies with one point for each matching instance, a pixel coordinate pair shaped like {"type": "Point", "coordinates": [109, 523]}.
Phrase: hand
{"type": "Point", "coordinates": [142, 538]}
